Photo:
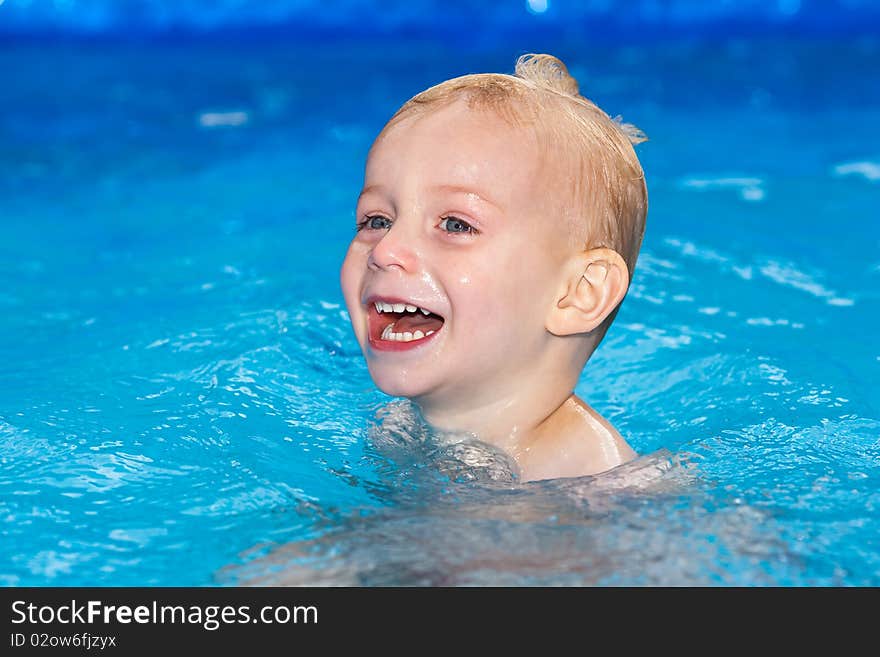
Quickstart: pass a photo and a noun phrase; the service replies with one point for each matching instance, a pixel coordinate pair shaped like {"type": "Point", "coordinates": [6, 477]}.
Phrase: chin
{"type": "Point", "coordinates": [397, 385]}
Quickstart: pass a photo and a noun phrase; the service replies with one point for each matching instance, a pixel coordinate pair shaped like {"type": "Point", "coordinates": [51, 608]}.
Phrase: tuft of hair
{"type": "Point", "coordinates": [551, 73]}
{"type": "Point", "coordinates": [547, 71]}
{"type": "Point", "coordinates": [632, 132]}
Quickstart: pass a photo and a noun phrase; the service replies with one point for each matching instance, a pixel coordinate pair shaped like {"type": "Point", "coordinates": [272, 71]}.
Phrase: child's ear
{"type": "Point", "coordinates": [594, 283]}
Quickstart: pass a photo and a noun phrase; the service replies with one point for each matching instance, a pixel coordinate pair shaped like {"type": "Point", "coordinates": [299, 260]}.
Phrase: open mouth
{"type": "Point", "coordinates": [396, 323]}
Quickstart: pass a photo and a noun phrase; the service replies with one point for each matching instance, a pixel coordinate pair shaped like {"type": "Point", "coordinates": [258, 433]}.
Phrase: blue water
{"type": "Point", "coordinates": [182, 401]}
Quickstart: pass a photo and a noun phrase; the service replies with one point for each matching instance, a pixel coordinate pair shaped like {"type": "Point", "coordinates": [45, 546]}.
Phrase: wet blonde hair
{"type": "Point", "coordinates": [588, 151]}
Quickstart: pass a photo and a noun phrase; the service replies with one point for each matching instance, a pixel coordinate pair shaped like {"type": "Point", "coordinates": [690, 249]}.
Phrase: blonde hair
{"type": "Point", "coordinates": [589, 150]}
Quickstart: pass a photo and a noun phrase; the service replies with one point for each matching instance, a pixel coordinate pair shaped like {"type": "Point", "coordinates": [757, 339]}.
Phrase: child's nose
{"type": "Point", "coordinates": [395, 249]}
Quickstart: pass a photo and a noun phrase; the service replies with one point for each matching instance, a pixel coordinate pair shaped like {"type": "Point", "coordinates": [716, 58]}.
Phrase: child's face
{"type": "Point", "coordinates": [460, 222]}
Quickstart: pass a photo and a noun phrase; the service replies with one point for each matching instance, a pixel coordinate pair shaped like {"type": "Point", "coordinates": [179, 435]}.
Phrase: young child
{"type": "Point", "coordinates": [497, 231]}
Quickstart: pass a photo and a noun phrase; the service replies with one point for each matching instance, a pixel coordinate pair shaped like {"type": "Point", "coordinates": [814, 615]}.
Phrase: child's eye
{"type": "Point", "coordinates": [375, 222]}
{"type": "Point", "coordinates": [456, 225]}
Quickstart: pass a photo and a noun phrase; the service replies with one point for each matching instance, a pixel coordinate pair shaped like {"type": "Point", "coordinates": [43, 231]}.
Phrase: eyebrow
{"type": "Point", "coordinates": [454, 189]}
{"type": "Point", "coordinates": [461, 189]}
{"type": "Point", "coordinates": [369, 189]}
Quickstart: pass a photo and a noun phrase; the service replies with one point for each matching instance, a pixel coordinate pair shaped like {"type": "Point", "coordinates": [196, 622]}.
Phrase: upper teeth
{"type": "Point", "coordinates": [383, 307]}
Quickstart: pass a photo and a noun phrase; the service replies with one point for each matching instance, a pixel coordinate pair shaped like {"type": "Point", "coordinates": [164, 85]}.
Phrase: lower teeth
{"type": "Point", "coordinates": [406, 336]}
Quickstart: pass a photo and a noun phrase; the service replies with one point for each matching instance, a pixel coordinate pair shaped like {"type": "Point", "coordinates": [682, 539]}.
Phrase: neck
{"type": "Point", "coordinates": [512, 423]}
{"type": "Point", "coordinates": [516, 409]}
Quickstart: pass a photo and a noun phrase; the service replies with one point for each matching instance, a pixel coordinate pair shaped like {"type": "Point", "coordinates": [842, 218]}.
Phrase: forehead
{"type": "Point", "coordinates": [460, 146]}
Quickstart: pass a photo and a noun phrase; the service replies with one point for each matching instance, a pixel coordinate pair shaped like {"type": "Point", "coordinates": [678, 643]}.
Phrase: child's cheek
{"type": "Point", "coordinates": [350, 278]}
{"type": "Point", "coordinates": [485, 296]}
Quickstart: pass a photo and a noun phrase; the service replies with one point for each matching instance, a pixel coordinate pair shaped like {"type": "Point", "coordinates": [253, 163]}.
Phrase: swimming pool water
{"type": "Point", "coordinates": [182, 401]}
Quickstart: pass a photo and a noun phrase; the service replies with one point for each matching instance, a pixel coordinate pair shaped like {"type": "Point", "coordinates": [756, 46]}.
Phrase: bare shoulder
{"type": "Point", "coordinates": [577, 441]}
{"type": "Point", "coordinates": [602, 434]}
